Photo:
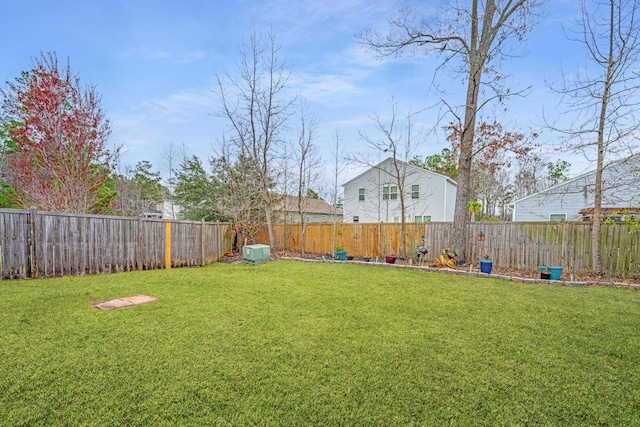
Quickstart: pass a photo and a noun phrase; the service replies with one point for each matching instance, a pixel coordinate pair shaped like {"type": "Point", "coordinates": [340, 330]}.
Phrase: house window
{"type": "Point", "coordinates": [557, 217]}
{"type": "Point", "coordinates": [423, 218]}
{"type": "Point", "coordinates": [356, 218]}
{"type": "Point", "coordinates": [415, 191]}
{"type": "Point", "coordinates": [396, 219]}
{"type": "Point", "coordinates": [361, 194]}
{"type": "Point", "coordinates": [390, 192]}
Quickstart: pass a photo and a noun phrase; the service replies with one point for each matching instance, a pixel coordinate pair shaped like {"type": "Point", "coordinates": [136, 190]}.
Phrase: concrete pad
{"type": "Point", "coordinates": [140, 299]}
{"type": "Point", "coordinates": [123, 302]}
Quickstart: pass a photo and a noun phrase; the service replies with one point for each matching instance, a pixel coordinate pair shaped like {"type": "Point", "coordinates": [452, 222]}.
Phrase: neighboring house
{"type": "Point", "coordinates": [373, 196]}
{"type": "Point", "coordinates": [315, 210]}
{"type": "Point", "coordinates": [168, 209]}
{"type": "Point", "coordinates": [165, 209]}
{"type": "Point", "coordinates": [572, 199]}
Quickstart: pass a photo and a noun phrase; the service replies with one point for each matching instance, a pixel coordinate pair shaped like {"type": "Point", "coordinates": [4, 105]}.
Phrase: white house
{"type": "Point", "coordinates": [165, 209]}
{"type": "Point", "coordinates": [563, 202]}
{"type": "Point", "coordinates": [373, 196]}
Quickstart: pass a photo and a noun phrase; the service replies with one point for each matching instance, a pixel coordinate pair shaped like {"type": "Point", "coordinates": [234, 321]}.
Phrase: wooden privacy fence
{"type": "Point", "coordinates": [510, 244]}
{"type": "Point", "coordinates": [46, 244]}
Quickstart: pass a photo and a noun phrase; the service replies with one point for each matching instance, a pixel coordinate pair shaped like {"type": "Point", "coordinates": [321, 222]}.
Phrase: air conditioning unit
{"type": "Point", "coordinates": [256, 253]}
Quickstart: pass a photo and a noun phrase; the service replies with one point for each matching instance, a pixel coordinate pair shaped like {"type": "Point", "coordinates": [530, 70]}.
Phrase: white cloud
{"type": "Point", "coordinates": [136, 53]}
{"type": "Point", "coordinates": [180, 118]}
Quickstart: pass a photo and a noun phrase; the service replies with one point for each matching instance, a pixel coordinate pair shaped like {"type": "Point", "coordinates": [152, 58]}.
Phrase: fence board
{"type": "Point", "coordinates": [509, 244]}
{"type": "Point", "coordinates": [48, 244]}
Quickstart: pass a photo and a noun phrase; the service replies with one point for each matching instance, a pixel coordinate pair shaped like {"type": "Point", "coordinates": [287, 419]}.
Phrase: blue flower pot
{"type": "Point", "coordinates": [486, 266]}
{"type": "Point", "coordinates": [555, 272]}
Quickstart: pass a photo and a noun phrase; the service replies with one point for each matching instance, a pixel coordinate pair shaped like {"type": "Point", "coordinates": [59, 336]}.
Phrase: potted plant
{"type": "Point", "coordinates": [555, 271]}
{"type": "Point", "coordinates": [339, 252]}
{"type": "Point", "coordinates": [390, 259]}
{"type": "Point", "coordinates": [486, 264]}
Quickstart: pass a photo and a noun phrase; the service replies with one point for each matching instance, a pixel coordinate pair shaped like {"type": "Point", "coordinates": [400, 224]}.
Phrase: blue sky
{"type": "Point", "coordinates": [154, 64]}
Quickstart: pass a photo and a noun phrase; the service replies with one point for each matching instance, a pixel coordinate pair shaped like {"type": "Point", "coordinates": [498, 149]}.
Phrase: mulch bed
{"type": "Point", "coordinates": [530, 274]}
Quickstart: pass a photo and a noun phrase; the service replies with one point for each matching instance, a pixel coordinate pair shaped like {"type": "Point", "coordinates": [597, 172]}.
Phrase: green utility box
{"type": "Point", "coordinates": [256, 253]}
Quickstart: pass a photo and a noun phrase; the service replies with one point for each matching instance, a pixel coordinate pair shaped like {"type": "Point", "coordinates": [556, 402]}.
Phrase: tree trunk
{"type": "Point", "coordinates": [403, 223]}
{"type": "Point", "coordinates": [463, 194]}
{"type": "Point", "coordinates": [597, 195]}
{"type": "Point", "coordinates": [460, 218]}
{"type": "Point", "coordinates": [272, 240]}
{"type": "Point", "coordinates": [302, 229]}
{"type": "Point", "coordinates": [480, 42]}
{"type": "Point", "coordinates": [401, 252]}
{"type": "Point", "coordinates": [596, 226]}
{"type": "Point", "coordinates": [602, 120]}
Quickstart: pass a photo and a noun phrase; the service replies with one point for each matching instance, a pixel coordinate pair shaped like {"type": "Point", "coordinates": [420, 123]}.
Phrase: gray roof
{"type": "Point", "coordinates": [408, 165]}
{"type": "Point", "coordinates": [551, 190]}
{"type": "Point", "coordinates": [314, 206]}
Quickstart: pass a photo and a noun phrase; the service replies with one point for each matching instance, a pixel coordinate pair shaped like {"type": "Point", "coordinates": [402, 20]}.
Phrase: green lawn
{"type": "Point", "coordinates": [289, 343]}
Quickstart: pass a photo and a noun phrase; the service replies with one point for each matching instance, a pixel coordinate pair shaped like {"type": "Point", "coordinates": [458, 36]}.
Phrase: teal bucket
{"type": "Point", "coordinates": [555, 272]}
{"type": "Point", "coordinates": [340, 255]}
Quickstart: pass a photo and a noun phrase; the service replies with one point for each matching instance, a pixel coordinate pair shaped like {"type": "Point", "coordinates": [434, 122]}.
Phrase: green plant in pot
{"type": "Point", "coordinates": [339, 252]}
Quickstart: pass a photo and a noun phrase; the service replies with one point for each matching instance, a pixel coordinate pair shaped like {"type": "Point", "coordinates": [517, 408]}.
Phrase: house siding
{"type": "Point", "coordinates": [620, 189]}
{"type": "Point", "coordinates": [436, 196]}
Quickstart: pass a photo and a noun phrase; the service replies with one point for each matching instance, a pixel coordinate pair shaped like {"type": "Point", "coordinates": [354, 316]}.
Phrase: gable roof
{"type": "Point", "coordinates": [312, 206]}
{"type": "Point", "coordinates": [416, 169]}
{"type": "Point", "coordinates": [551, 190]}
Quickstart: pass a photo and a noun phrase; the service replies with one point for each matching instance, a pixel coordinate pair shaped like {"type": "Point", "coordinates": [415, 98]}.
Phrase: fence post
{"type": "Point", "coordinates": [202, 242]}
{"type": "Point", "coordinates": [33, 240]}
{"type": "Point", "coordinates": [139, 249]}
{"type": "Point", "coordinates": [167, 251]}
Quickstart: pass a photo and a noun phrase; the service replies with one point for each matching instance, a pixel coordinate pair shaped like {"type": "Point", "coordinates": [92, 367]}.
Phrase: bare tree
{"type": "Point", "coordinates": [337, 168]}
{"type": "Point", "coordinates": [171, 158]}
{"type": "Point", "coordinates": [308, 164]}
{"type": "Point", "coordinates": [604, 94]}
{"type": "Point", "coordinates": [478, 35]}
{"type": "Point", "coordinates": [398, 141]}
{"type": "Point", "coordinates": [257, 108]}
{"type": "Point", "coordinates": [241, 195]}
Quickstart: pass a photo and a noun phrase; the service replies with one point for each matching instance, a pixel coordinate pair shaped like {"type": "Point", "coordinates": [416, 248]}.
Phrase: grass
{"type": "Point", "coordinates": [288, 343]}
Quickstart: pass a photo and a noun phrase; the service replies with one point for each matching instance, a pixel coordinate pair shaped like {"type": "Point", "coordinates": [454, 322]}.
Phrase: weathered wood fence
{"type": "Point", "coordinates": [509, 244]}
{"type": "Point", "coordinates": [46, 244]}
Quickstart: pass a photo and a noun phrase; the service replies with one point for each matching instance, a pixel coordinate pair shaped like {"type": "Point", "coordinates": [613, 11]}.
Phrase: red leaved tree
{"type": "Point", "coordinates": [57, 158]}
{"type": "Point", "coordinates": [494, 150]}
{"type": "Point", "coordinates": [490, 142]}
